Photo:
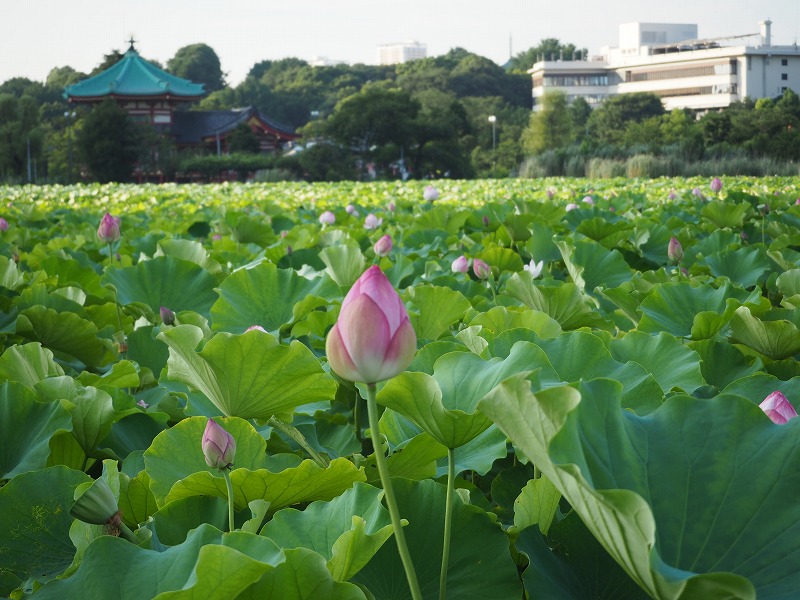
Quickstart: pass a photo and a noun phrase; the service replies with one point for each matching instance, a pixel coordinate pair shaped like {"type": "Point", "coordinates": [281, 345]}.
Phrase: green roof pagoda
{"type": "Point", "coordinates": [133, 78]}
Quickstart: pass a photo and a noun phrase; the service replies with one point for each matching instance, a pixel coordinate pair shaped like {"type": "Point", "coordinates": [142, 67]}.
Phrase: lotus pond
{"type": "Point", "coordinates": [581, 417]}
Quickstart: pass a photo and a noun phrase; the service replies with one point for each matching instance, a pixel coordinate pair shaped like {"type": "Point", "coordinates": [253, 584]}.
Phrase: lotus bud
{"type": "Point", "coordinates": [697, 192]}
{"type": "Point", "coordinates": [485, 221]}
{"type": "Point", "coordinates": [571, 206]}
{"type": "Point", "coordinates": [672, 194]}
{"type": "Point", "coordinates": [716, 184]}
{"type": "Point", "coordinates": [460, 265]}
{"type": "Point", "coordinates": [391, 206]}
{"type": "Point", "coordinates": [350, 209]}
{"type": "Point", "coordinates": [219, 447]}
{"type": "Point", "coordinates": [430, 193]}
{"type": "Point", "coordinates": [550, 193]}
{"type": "Point", "coordinates": [372, 222]}
{"type": "Point", "coordinates": [534, 268]}
{"type": "Point", "coordinates": [383, 246]}
{"type": "Point", "coordinates": [481, 269]}
{"type": "Point", "coordinates": [3, 224]}
{"type": "Point", "coordinates": [675, 250]}
{"type": "Point", "coordinates": [167, 316]}
{"type": "Point", "coordinates": [372, 339]}
{"type": "Point", "coordinates": [142, 404]}
{"type": "Point", "coordinates": [797, 201]}
{"type": "Point", "coordinates": [289, 250]}
{"type": "Point", "coordinates": [327, 218]}
{"type": "Point", "coordinates": [108, 230]}
{"type": "Point", "coordinates": [588, 200]}
{"type": "Point", "coordinates": [778, 408]}
{"type": "Point", "coordinates": [255, 328]}
{"type": "Point", "coordinates": [216, 237]}
{"type": "Point", "coordinates": [95, 503]}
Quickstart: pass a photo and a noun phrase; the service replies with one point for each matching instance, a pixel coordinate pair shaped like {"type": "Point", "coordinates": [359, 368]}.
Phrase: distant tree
{"type": "Point", "coordinates": [19, 126]}
{"type": "Point", "coordinates": [109, 60]}
{"type": "Point", "coordinates": [547, 49]}
{"type": "Point", "coordinates": [200, 64]}
{"type": "Point", "coordinates": [60, 77]}
{"type": "Point", "coordinates": [551, 127]}
{"type": "Point", "coordinates": [579, 112]}
{"type": "Point", "coordinates": [243, 139]}
{"type": "Point", "coordinates": [109, 143]}
{"type": "Point", "coordinates": [608, 122]}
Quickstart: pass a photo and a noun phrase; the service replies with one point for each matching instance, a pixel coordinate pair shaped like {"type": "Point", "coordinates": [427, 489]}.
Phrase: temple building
{"type": "Point", "coordinates": [154, 97]}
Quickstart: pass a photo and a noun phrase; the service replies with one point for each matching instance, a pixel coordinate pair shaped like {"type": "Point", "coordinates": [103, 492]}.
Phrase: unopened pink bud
{"type": "Point", "coordinates": [327, 218]}
{"type": "Point", "coordinates": [383, 246]}
{"type": "Point", "coordinates": [219, 447]}
{"type": "Point", "coordinates": [430, 193]}
{"type": "Point", "coordinates": [460, 265]}
{"type": "Point", "coordinates": [481, 269]}
{"type": "Point", "coordinates": [778, 408]}
{"type": "Point", "coordinates": [674, 250]}
{"type": "Point", "coordinates": [716, 184]}
{"type": "Point", "coordinates": [108, 230]}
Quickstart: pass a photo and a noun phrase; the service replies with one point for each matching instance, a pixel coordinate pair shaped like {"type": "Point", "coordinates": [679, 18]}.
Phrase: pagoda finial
{"type": "Point", "coordinates": [131, 42]}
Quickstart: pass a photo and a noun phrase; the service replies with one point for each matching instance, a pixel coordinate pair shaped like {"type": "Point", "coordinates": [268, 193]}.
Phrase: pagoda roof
{"type": "Point", "coordinates": [196, 126]}
{"type": "Point", "coordinates": [133, 77]}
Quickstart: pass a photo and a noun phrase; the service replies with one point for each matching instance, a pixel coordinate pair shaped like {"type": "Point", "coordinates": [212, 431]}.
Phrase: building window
{"type": "Point", "coordinates": [784, 76]}
{"type": "Point", "coordinates": [783, 89]}
{"type": "Point", "coordinates": [784, 62]}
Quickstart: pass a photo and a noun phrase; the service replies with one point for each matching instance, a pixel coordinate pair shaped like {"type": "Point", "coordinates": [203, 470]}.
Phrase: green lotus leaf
{"type": "Point", "coordinates": [136, 501]}
{"type": "Point", "coordinates": [442, 217]}
{"type": "Point", "coordinates": [745, 266]}
{"type": "Point", "coordinates": [564, 303]}
{"type": "Point", "coordinates": [577, 567]}
{"type": "Point", "coordinates": [722, 363]}
{"type": "Point", "coordinates": [607, 232]}
{"type": "Point", "coordinates": [774, 339]}
{"type": "Point", "coordinates": [10, 277]}
{"type": "Point", "coordinates": [146, 350]}
{"type": "Point", "coordinates": [28, 364]}
{"type": "Point", "coordinates": [444, 404]}
{"type": "Point", "coordinates": [267, 296]}
{"type": "Point", "coordinates": [66, 334]}
{"type": "Point", "coordinates": [435, 309]}
{"type": "Point", "coordinates": [189, 251]}
{"type": "Point", "coordinates": [164, 281]}
{"type": "Point", "coordinates": [123, 374]}
{"type": "Point", "coordinates": [536, 504]}
{"type": "Point", "coordinates": [41, 294]}
{"type": "Point", "coordinates": [344, 263]}
{"type": "Point", "coordinates": [672, 364]}
{"type": "Point", "coordinates": [501, 318]}
{"type": "Point", "coordinates": [176, 519]}
{"type": "Point", "coordinates": [347, 531]}
{"type": "Point", "coordinates": [654, 246]}
{"type": "Point", "coordinates": [71, 272]}
{"type": "Point", "coordinates": [758, 386]}
{"type": "Point", "coordinates": [251, 376]}
{"type": "Point", "coordinates": [209, 564]}
{"type": "Point", "coordinates": [504, 260]}
{"type": "Point", "coordinates": [685, 310]}
{"type": "Point", "coordinates": [590, 265]}
{"type": "Point", "coordinates": [480, 563]}
{"type": "Point", "coordinates": [725, 214]}
{"type": "Point", "coordinates": [721, 460]}
{"type": "Point", "coordinates": [26, 428]}
{"type": "Point", "coordinates": [35, 521]}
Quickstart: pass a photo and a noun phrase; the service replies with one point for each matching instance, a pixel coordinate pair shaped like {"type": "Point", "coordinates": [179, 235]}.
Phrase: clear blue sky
{"type": "Point", "coordinates": [41, 34]}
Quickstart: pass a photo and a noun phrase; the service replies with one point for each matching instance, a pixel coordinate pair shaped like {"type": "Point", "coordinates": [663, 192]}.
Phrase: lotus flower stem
{"type": "Point", "coordinates": [298, 437]}
{"type": "Point", "coordinates": [125, 532]}
{"type": "Point", "coordinates": [448, 521]}
{"type": "Point", "coordinates": [229, 486]}
{"type": "Point", "coordinates": [111, 253]}
{"type": "Point", "coordinates": [391, 502]}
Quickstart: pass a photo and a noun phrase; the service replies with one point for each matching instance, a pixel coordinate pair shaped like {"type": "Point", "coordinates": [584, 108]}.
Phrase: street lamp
{"type": "Point", "coordinates": [315, 126]}
{"type": "Point", "coordinates": [69, 116]}
{"type": "Point", "coordinates": [493, 121]}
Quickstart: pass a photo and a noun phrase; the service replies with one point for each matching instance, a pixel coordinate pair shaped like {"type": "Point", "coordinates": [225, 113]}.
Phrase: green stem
{"type": "Point", "coordinates": [295, 435]}
{"type": "Point", "coordinates": [125, 532]}
{"type": "Point", "coordinates": [391, 502]}
{"type": "Point", "coordinates": [448, 521]}
{"type": "Point", "coordinates": [357, 416]}
{"type": "Point", "coordinates": [490, 283]}
{"type": "Point", "coordinates": [111, 254]}
{"type": "Point", "coordinates": [229, 485]}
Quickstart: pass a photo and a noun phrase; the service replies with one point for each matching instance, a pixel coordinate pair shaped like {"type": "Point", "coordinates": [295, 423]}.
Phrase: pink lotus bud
{"type": "Point", "coordinates": [372, 339]}
{"type": "Point", "coordinates": [143, 404]}
{"type": "Point", "coordinates": [716, 184]}
{"type": "Point", "coordinates": [571, 206]}
{"type": "Point", "coordinates": [391, 206]}
{"type": "Point", "coordinates": [778, 408]}
{"type": "Point", "coordinates": [167, 316]}
{"type": "Point", "coordinates": [216, 237]}
{"type": "Point", "coordinates": [327, 218]}
{"type": "Point", "coordinates": [284, 233]}
{"type": "Point", "coordinates": [219, 447]}
{"type": "Point", "coordinates": [3, 224]}
{"type": "Point", "coordinates": [550, 193]}
{"type": "Point", "coordinates": [797, 201]}
{"type": "Point", "coordinates": [372, 222]}
{"type": "Point", "coordinates": [430, 193]}
{"type": "Point", "coordinates": [350, 209]}
{"type": "Point", "coordinates": [460, 265]}
{"type": "Point", "coordinates": [534, 268]}
{"type": "Point", "coordinates": [481, 269]}
{"type": "Point", "coordinates": [674, 250]}
{"type": "Point", "coordinates": [588, 200]}
{"type": "Point", "coordinates": [255, 328]}
{"type": "Point", "coordinates": [697, 192]}
{"type": "Point", "coordinates": [485, 221]}
{"type": "Point", "coordinates": [672, 194]}
{"type": "Point", "coordinates": [383, 246]}
{"type": "Point", "coordinates": [108, 230]}
{"type": "Point", "coordinates": [612, 208]}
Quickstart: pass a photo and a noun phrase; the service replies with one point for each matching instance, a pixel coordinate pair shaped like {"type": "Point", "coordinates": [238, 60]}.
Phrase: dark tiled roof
{"type": "Point", "coordinates": [190, 127]}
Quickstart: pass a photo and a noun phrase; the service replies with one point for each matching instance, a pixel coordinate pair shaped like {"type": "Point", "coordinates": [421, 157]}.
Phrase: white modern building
{"type": "Point", "coordinates": [669, 60]}
{"type": "Point", "coordinates": [392, 54]}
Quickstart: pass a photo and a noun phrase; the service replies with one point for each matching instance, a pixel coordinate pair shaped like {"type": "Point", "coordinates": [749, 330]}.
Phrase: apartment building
{"type": "Point", "coordinates": [392, 54]}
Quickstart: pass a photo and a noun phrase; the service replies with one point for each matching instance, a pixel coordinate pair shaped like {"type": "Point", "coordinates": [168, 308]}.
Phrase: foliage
{"type": "Point", "coordinates": [198, 63]}
{"type": "Point", "coordinates": [109, 143]}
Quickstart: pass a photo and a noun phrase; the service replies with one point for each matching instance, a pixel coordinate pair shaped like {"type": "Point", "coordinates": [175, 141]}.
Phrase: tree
{"type": "Point", "coordinates": [19, 126]}
{"type": "Point", "coordinates": [243, 139]}
{"type": "Point", "coordinates": [547, 49]}
{"type": "Point", "coordinates": [200, 64]}
{"type": "Point", "coordinates": [551, 127]}
{"type": "Point", "coordinates": [608, 122]}
{"type": "Point", "coordinates": [109, 143]}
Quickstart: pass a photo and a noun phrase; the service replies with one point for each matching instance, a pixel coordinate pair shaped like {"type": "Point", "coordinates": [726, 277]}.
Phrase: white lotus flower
{"type": "Point", "coordinates": [534, 268]}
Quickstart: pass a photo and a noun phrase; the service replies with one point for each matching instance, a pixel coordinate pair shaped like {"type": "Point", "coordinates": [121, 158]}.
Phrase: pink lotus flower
{"type": "Point", "coordinates": [383, 246]}
{"type": "Point", "coordinates": [372, 339]}
{"type": "Point", "coordinates": [219, 447]}
{"type": "Point", "coordinates": [571, 206]}
{"type": "Point", "coordinates": [430, 193]}
{"type": "Point", "coordinates": [674, 250]}
{"type": "Point", "coordinates": [697, 192]}
{"type": "Point", "coordinates": [534, 268]}
{"type": "Point", "coordinates": [481, 269]}
{"type": "Point", "coordinates": [255, 328]}
{"type": "Point", "coordinates": [672, 194]}
{"type": "Point", "coordinates": [350, 209]}
{"type": "Point", "coordinates": [372, 222]}
{"type": "Point", "coordinates": [588, 200]}
{"type": "Point", "coordinates": [460, 265]}
{"type": "Point", "coordinates": [3, 224]}
{"type": "Point", "coordinates": [778, 408]}
{"type": "Point", "coordinates": [327, 218]}
{"type": "Point", "coordinates": [108, 230]}
{"type": "Point", "coordinates": [716, 184]}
